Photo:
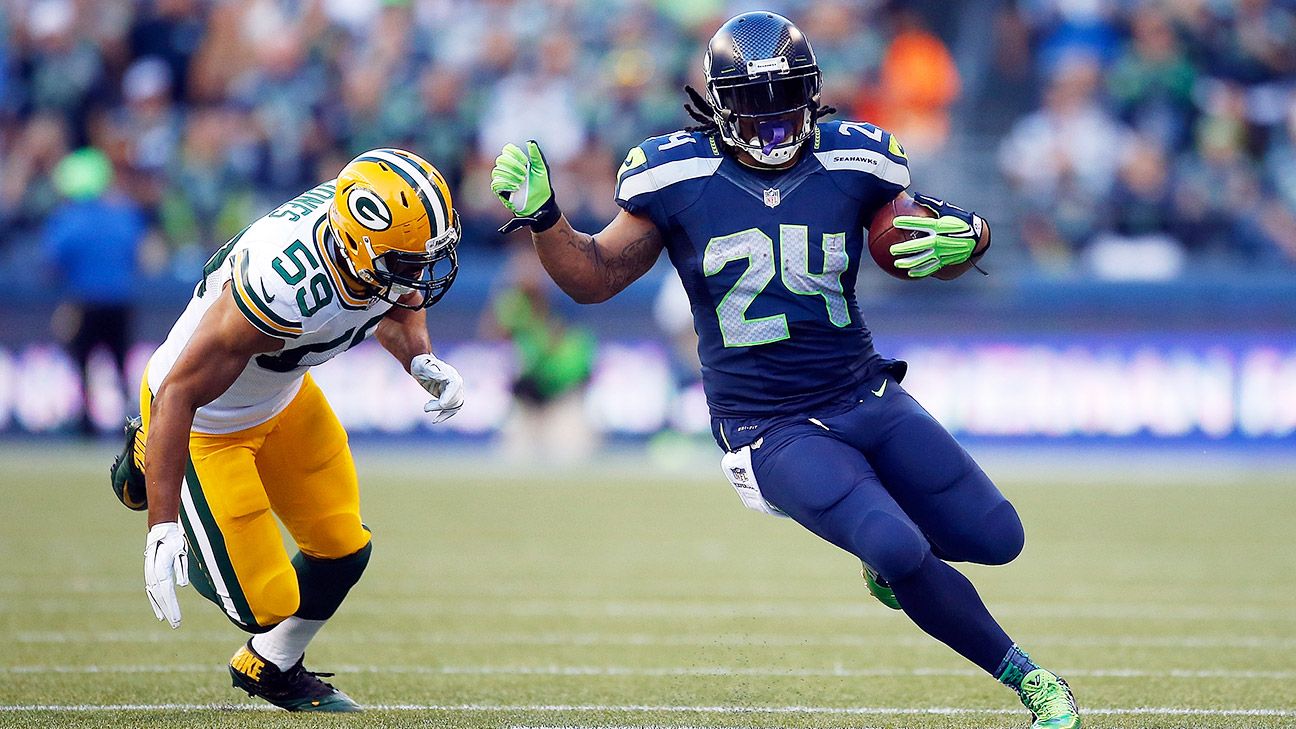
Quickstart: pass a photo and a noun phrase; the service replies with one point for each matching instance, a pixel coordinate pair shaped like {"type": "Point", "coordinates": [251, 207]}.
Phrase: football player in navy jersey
{"type": "Point", "coordinates": [762, 210]}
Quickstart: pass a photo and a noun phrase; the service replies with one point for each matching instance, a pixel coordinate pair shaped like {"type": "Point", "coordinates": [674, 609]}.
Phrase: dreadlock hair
{"type": "Point", "coordinates": [706, 121]}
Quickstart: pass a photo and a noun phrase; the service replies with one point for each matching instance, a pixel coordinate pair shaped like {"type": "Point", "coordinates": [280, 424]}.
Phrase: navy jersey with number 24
{"type": "Point", "coordinates": [769, 259]}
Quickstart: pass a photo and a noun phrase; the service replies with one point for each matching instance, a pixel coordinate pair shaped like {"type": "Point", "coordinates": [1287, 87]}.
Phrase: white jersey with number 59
{"type": "Point", "coordinates": [285, 281]}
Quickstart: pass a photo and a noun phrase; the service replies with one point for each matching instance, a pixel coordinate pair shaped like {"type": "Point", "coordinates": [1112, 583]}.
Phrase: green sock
{"type": "Point", "coordinates": [1014, 667]}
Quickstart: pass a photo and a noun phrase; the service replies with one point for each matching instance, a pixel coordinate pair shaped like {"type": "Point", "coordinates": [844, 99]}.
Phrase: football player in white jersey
{"type": "Point", "coordinates": [234, 432]}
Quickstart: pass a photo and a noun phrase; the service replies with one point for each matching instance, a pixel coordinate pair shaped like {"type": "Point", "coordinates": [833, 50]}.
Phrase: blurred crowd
{"type": "Point", "coordinates": [1165, 132]}
{"type": "Point", "coordinates": [1130, 133]}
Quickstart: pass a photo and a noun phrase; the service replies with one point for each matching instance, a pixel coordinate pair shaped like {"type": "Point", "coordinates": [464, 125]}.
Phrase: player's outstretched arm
{"type": "Point", "coordinates": [593, 268]}
{"type": "Point", "coordinates": [209, 364]}
{"type": "Point", "coordinates": [404, 333]}
{"type": "Point", "coordinates": [589, 268]}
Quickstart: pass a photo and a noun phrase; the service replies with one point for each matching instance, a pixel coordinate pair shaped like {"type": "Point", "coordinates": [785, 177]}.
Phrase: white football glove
{"type": "Point", "coordinates": [441, 381]}
{"type": "Point", "coordinates": [166, 566]}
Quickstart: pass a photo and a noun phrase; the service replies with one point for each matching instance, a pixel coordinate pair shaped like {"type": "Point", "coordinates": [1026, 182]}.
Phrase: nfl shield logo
{"type": "Point", "coordinates": [771, 198]}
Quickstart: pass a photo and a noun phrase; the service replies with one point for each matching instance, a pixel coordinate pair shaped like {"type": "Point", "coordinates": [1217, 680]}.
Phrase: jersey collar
{"type": "Point", "coordinates": [350, 298]}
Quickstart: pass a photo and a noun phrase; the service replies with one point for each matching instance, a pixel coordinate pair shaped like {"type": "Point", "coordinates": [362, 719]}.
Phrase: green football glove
{"type": "Point", "coordinates": [521, 179]}
{"type": "Point", "coordinates": [950, 238]}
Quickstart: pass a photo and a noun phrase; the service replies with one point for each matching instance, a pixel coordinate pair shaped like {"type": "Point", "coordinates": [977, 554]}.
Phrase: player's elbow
{"type": "Point", "coordinates": [172, 395]}
{"type": "Point", "coordinates": [590, 295]}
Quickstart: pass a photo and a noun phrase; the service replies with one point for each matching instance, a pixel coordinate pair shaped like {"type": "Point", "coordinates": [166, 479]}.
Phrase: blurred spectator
{"type": "Point", "coordinates": [62, 70]}
{"type": "Point", "coordinates": [215, 111]}
{"type": "Point", "coordinates": [1062, 160]}
{"type": "Point", "coordinates": [147, 118]}
{"type": "Point", "coordinates": [1280, 162]}
{"type": "Point", "coordinates": [90, 244]}
{"type": "Point", "coordinates": [538, 101]}
{"type": "Point", "coordinates": [27, 186]}
{"type": "Point", "coordinates": [1071, 28]}
{"type": "Point", "coordinates": [1152, 81]}
{"type": "Point", "coordinates": [919, 82]}
{"type": "Point", "coordinates": [849, 50]}
{"type": "Point", "coordinates": [206, 199]}
{"type": "Point", "coordinates": [1218, 193]}
{"type": "Point", "coordinates": [554, 363]}
{"type": "Point", "coordinates": [170, 31]}
{"type": "Point", "coordinates": [1249, 41]}
{"type": "Point", "coordinates": [286, 96]}
{"type": "Point", "coordinates": [1140, 215]}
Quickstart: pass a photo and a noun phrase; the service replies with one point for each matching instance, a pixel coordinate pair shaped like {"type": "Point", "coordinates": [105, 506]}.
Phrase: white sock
{"type": "Point", "coordinates": [285, 643]}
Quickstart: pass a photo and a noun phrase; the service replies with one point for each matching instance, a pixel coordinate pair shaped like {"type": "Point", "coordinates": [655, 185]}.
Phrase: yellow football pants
{"type": "Point", "coordinates": [296, 466]}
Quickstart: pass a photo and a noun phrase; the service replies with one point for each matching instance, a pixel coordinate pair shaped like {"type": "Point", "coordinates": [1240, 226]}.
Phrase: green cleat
{"type": "Point", "coordinates": [1050, 701]}
{"type": "Point", "coordinates": [127, 471]}
{"type": "Point", "coordinates": [293, 690]}
{"type": "Point", "coordinates": [879, 588]}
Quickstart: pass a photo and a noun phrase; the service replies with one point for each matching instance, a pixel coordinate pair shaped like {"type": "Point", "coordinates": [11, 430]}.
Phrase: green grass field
{"type": "Point", "coordinates": [627, 596]}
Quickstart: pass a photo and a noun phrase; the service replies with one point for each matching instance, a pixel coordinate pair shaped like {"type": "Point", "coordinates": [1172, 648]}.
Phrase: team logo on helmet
{"type": "Point", "coordinates": [368, 209]}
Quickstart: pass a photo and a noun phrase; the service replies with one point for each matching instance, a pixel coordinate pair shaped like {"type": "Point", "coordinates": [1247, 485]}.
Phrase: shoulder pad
{"type": "Point", "coordinates": [861, 147]}
{"type": "Point", "coordinates": [660, 162]}
{"type": "Point", "coordinates": [262, 295]}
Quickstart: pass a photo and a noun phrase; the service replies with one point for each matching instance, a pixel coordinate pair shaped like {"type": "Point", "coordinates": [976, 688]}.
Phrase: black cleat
{"type": "Point", "coordinates": [127, 471]}
{"type": "Point", "coordinates": [295, 689]}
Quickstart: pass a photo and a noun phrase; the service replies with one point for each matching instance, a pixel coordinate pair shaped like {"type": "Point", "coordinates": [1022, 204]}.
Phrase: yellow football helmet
{"type": "Point", "coordinates": [396, 226]}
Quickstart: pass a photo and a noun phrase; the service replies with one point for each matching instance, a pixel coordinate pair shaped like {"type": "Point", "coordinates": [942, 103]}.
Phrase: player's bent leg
{"type": "Point", "coordinates": [310, 478]}
{"type": "Point", "coordinates": [966, 518]}
{"type": "Point", "coordinates": [236, 555]}
{"type": "Point", "coordinates": [326, 582]}
{"type": "Point", "coordinates": [937, 483]}
{"type": "Point", "coordinates": [311, 483]}
{"type": "Point", "coordinates": [829, 488]}
{"type": "Point", "coordinates": [240, 563]}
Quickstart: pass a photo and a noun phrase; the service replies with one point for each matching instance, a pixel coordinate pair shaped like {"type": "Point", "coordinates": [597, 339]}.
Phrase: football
{"type": "Point", "coordinates": [882, 233]}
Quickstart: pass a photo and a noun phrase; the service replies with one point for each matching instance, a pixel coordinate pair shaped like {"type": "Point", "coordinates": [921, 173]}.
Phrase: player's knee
{"type": "Point", "coordinates": [1005, 534]}
{"type": "Point", "coordinates": [276, 598]}
{"type": "Point", "coordinates": [325, 583]}
{"type": "Point", "coordinates": [890, 545]}
{"type": "Point", "coordinates": [334, 536]}
{"type": "Point", "coordinates": [996, 539]}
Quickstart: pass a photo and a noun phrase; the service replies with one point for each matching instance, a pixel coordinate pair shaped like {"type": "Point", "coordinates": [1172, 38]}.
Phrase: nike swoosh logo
{"type": "Point", "coordinates": [266, 295]}
{"type": "Point", "coordinates": [880, 390]}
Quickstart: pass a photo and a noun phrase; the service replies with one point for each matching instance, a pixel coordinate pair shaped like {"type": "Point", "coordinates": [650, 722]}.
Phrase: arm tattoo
{"type": "Point", "coordinates": [618, 270]}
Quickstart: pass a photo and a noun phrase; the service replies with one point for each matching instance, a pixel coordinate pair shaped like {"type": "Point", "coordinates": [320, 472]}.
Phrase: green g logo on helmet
{"type": "Point", "coordinates": [368, 209]}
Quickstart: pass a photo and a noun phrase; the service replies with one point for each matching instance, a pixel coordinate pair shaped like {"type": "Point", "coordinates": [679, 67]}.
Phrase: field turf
{"type": "Point", "coordinates": [624, 595]}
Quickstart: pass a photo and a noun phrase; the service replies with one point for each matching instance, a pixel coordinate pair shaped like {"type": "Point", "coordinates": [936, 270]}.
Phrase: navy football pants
{"type": "Point", "coordinates": [887, 483]}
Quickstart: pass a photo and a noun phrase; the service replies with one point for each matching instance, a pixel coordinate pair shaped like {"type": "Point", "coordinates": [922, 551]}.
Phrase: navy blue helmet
{"type": "Point", "coordinates": [763, 85]}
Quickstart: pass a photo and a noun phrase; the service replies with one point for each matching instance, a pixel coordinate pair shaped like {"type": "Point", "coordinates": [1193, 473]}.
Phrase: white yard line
{"type": "Point", "coordinates": [633, 671]}
{"type": "Point", "coordinates": [725, 609]}
{"type": "Point", "coordinates": [626, 727]}
{"type": "Point", "coordinates": [755, 639]}
{"type": "Point", "coordinates": [648, 708]}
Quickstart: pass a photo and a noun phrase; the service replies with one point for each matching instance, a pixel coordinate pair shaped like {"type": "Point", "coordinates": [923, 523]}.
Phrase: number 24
{"type": "Point", "coordinates": [758, 250]}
